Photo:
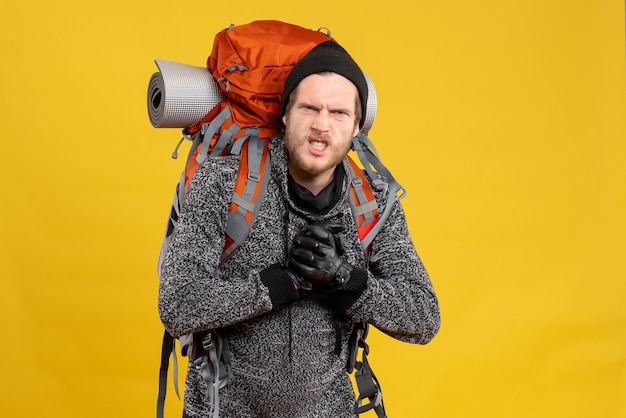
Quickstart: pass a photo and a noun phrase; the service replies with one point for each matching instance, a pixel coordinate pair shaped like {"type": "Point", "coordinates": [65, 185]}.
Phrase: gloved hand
{"type": "Point", "coordinates": [316, 257]}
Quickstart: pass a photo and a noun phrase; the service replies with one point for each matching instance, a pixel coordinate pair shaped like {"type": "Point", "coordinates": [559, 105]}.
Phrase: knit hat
{"type": "Point", "coordinates": [326, 56]}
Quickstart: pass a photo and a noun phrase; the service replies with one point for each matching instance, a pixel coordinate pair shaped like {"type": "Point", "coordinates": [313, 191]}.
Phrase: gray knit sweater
{"type": "Point", "coordinates": [283, 342]}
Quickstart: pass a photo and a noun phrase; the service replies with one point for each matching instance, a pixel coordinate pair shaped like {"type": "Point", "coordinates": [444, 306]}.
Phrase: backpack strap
{"type": "Point", "coordinates": [211, 357]}
{"type": "Point", "coordinates": [366, 381]}
{"type": "Point", "coordinates": [212, 354]}
{"type": "Point", "coordinates": [168, 348]}
{"type": "Point", "coordinates": [249, 191]}
{"type": "Point", "coordinates": [208, 131]}
{"type": "Point", "coordinates": [369, 222]}
{"type": "Point", "coordinates": [375, 168]}
{"type": "Point", "coordinates": [363, 204]}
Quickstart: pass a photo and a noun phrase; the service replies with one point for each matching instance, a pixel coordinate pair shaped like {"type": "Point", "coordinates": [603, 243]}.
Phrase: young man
{"type": "Point", "coordinates": [287, 300]}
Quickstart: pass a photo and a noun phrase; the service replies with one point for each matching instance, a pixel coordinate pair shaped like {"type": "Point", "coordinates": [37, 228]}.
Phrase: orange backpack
{"type": "Point", "coordinates": [250, 63]}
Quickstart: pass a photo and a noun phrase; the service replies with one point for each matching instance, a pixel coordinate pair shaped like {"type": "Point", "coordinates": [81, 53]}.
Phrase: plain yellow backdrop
{"type": "Point", "coordinates": [506, 122]}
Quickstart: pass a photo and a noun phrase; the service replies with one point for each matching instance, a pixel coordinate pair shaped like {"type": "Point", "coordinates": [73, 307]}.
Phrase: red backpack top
{"type": "Point", "coordinates": [250, 63]}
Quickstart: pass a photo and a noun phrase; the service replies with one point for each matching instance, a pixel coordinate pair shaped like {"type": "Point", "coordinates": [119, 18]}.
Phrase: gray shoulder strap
{"type": "Point", "coordinates": [237, 225]}
{"type": "Point", "coordinates": [208, 131]}
{"type": "Point", "coordinates": [375, 168]}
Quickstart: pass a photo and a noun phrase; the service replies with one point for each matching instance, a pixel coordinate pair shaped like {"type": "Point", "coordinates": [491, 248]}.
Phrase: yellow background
{"type": "Point", "coordinates": [504, 119]}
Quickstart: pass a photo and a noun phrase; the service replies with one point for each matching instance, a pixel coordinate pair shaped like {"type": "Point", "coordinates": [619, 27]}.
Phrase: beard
{"type": "Point", "coordinates": [302, 160]}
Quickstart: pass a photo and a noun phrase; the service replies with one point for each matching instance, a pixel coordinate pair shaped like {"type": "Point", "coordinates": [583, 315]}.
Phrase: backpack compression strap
{"type": "Point", "coordinates": [211, 357]}
{"type": "Point", "coordinates": [369, 387]}
{"type": "Point", "coordinates": [375, 168]}
{"type": "Point", "coordinates": [250, 188]}
{"type": "Point", "coordinates": [363, 203]}
{"type": "Point", "coordinates": [168, 349]}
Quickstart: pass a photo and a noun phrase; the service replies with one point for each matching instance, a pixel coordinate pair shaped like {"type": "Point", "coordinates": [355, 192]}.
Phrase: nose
{"type": "Point", "coordinates": [321, 122]}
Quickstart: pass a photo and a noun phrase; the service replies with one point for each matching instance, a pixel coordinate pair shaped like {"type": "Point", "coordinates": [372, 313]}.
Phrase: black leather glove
{"type": "Point", "coordinates": [316, 257]}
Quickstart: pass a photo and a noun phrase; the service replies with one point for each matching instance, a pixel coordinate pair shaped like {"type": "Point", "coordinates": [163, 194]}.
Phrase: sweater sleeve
{"type": "Point", "coordinates": [347, 296]}
{"type": "Point", "coordinates": [196, 292]}
{"type": "Point", "coordinates": [281, 287]}
{"type": "Point", "coordinates": [399, 298]}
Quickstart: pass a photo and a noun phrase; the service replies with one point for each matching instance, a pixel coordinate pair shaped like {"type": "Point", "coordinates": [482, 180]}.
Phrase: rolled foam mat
{"type": "Point", "coordinates": [180, 94]}
{"type": "Point", "coordinates": [372, 103]}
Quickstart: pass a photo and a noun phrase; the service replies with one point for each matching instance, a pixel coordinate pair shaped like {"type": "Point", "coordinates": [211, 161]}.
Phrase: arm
{"type": "Point", "coordinates": [399, 298]}
{"type": "Point", "coordinates": [194, 294]}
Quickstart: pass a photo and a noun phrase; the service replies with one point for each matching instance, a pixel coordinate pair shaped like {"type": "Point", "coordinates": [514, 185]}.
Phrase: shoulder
{"type": "Point", "coordinates": [213, 175]}
{"type": "Point", "coordinates": [277, 149]}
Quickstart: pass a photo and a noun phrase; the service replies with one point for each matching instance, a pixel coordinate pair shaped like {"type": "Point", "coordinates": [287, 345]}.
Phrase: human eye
{"type": "Point", "coordinates": [307, 108]}
{"type": "Point", "coordinates": [341, 113]}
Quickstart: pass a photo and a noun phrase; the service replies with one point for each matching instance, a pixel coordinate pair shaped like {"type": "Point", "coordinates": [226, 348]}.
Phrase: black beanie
{"type": "Point", "coordinates": [327, 56]}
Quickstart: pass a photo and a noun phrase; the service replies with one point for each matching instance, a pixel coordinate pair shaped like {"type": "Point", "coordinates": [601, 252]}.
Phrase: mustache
{"type": "Point", "coordinates": [319, 137]}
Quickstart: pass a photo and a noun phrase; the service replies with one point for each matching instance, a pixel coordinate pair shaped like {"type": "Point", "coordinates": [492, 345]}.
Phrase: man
{"type": "Point", "coordinates": [286, 301]}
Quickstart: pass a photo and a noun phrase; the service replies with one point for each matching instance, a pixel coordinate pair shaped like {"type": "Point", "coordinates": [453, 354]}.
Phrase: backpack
{"type": "Point", "coordinates": [242, 97]}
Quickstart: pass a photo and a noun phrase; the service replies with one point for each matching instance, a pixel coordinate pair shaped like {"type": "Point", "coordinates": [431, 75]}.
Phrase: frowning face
{"type": "Point", "coordinates": [319, 126]}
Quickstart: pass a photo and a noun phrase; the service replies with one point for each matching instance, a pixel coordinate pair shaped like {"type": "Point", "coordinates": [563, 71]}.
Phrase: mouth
{"type": "Point", "coordinates": [317, 145]}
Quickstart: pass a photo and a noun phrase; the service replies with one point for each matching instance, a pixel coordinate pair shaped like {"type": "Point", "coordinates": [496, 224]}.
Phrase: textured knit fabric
{"type": "Point", "coordinates": [283, 342]}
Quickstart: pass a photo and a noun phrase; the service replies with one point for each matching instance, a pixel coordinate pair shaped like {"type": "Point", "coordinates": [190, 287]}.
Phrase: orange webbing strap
{"type": "Point", "coordinates": [251, 184]}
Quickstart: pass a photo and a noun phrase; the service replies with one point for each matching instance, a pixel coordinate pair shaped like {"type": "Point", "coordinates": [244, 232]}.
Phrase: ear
{"type": "Point", "coordinates": [356, 131]}
{"type": "Point", "coordinates": [285, 120]}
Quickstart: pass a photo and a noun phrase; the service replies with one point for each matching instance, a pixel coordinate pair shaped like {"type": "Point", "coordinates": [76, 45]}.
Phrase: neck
{"type": "Point", "coordinates": [314, 183]}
